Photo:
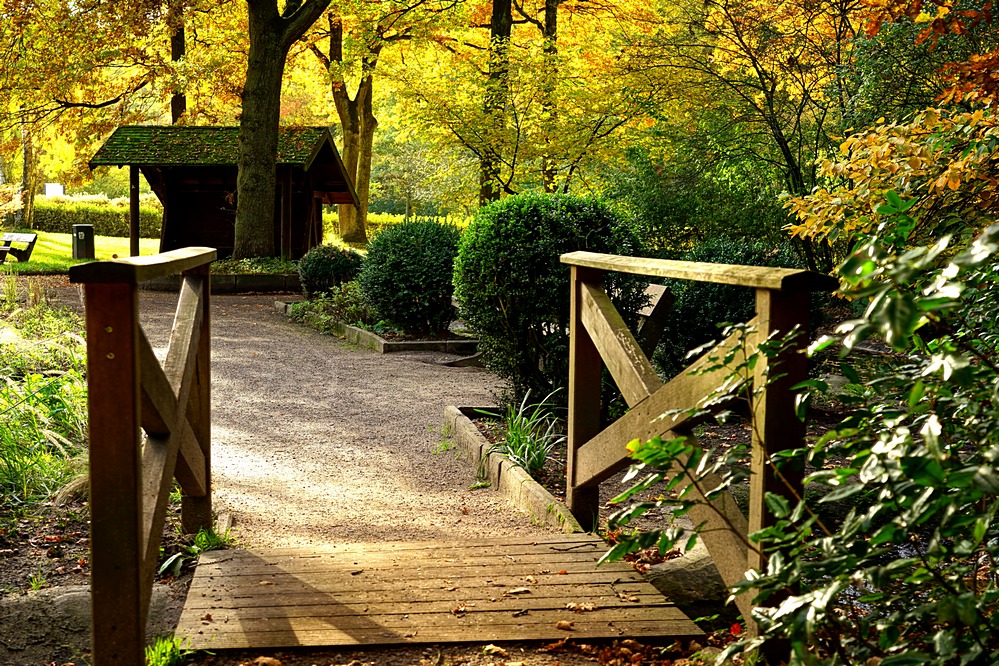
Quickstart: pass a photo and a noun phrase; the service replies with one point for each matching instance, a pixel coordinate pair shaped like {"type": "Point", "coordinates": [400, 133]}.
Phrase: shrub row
{"type": "Point", "coordinates": [109, 216]}
{"type": "Point", "coordinates": [512, 290]}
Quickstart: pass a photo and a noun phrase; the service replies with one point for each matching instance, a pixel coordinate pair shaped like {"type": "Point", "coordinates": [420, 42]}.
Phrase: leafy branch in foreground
{"type": "Point", "coordinates": [913, 576]}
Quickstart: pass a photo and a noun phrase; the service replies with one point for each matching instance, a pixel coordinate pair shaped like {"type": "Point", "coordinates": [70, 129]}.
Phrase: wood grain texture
{"type": "Point", "coordinates": [141, 269]}
{"type": "Point", "coordinates": [620, 352]}
{"type": "Point", "coordinates": [421, 593]}
{"type": "Point", "coordinates": [759, 277]}
{"type": "Point", "coordinates": [119, 614]}
{"type": "Point", "coordinates": [584, 399]}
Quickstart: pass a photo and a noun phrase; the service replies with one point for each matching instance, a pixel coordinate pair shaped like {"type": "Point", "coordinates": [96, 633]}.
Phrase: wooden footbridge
{"type": "Point", "coordinates": [150, 423]}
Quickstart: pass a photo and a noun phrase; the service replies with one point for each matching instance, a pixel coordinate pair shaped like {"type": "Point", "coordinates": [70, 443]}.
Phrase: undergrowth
{"type": "Point", "coordinates": [43, 395]}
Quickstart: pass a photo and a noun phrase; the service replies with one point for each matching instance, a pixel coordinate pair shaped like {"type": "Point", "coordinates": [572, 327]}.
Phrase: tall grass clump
{"type": "Point", "coordinates": [43, 394]}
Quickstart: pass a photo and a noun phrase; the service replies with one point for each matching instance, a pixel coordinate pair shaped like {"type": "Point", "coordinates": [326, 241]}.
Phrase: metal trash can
{"type": "Point", "coordinates": [83, 241]}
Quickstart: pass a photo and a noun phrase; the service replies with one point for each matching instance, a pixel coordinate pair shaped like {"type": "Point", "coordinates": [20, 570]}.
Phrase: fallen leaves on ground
{"type": "Point", "coordinates": [564, 625]}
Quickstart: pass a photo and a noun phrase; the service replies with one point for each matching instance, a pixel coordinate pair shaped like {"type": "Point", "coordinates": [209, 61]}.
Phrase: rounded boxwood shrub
{"type": "Point", "coordinates": [406, 276]}
{"type": "Point", "coordinates": [513, 291]}
{"type": "Point", "coordinates": [325, 267]}
{"type": "Point", "coordinates": [699, 308]}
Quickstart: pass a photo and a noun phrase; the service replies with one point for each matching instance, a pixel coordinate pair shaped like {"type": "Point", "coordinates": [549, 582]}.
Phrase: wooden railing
{"type": "Point", "coordinates": [599, 337]}
{"type": "Point", "coordinates": [149, 423]}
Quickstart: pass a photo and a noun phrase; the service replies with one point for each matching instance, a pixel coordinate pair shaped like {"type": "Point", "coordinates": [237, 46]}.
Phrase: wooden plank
{"type": "Point", "coordinates": [369, 566]}
{"type": "Point", "coordinates": [620, 352]}
{"type": "Point", "coordinates": [221, 587]}
{"type": "Point", "coordinates": [141, 269]}
{"type": "Point", "coordinates": [119, 616]}
{"type": "Point", "coordinates": [760, 277]}
{"type": "Point", "coordinates": [653, 324]}
{"type": "Point", "coordinates": [584, 401]}
{"type": "Point", "coordinates": [481, 620]}
{"type": "Point", "coordinates": [159, 456]}
{"type": "Point", "coordinates": [559, 542]}
{"type": "Point", "coordinates": [455, 570]}
{"type": "Point", "coordinates": [133, 210]}
{"type": "Point", "coordinates": [605, 453]}
{"type": "Point", "coordinates": [158, 408]}
{"type": "Point", "coordinates": [196, 499]}
{"type": "Point", "coordinates": [776, 426]}
{"type": "Point", "coordinates": [394, 599]}
{"type": "Point", "coordinates": [203, 638]}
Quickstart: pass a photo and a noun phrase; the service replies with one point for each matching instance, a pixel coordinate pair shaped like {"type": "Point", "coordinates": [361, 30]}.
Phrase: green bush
{"type": "Point", "coordinates": [514, 292]}
{"type": "Point", "coordinates": [700, 307]}
{"type": "Point", "coordinates": [325, 267]}
{"type": "Point", "coordinates": [109, 216]}
{"type": "Point", "coordinates": [407, 275]}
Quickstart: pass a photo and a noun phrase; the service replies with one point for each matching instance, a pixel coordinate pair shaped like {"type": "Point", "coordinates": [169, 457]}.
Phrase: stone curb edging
{"type": "Point", "coordinates": [237, 283]}
{"type": "Point", "coordinates": [369, 340]}
{"type": "Point", "coordinates": [508, 479]}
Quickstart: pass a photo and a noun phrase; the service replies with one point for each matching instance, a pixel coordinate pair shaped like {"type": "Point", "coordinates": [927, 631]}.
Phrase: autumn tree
{"type": "Point", "coordinates": [271, 34]}
{"type": "Point", "coordinates": [540, 109]}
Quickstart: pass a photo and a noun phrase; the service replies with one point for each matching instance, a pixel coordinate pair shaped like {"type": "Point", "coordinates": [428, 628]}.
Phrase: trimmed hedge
{"type": "Point", "coordinates": [407, 275]}
{"type": "Point", "coordinates": [325, 267]}
{"type": "Point", "coordinates": [109, 216]}
{"type": "Point", "coordinates": [514, 292]}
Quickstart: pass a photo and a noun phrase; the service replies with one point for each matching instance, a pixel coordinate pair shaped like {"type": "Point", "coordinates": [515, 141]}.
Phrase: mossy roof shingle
{"type": "Point", "coordinates": [183, 145]}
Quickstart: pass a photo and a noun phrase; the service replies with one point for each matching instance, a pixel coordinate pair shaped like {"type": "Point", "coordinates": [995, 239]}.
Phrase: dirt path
{"type": "Point", "coordinates": [317, 441]}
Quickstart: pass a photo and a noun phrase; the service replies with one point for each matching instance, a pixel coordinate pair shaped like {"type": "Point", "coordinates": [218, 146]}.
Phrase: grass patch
{"type": "Point", "coordinates": [53, 253]}
{"type": "Point", "coordinates": [43, 396]}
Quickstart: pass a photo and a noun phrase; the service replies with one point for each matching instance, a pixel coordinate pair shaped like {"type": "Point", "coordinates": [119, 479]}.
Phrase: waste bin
{"type": "Point", "coordinates": [83, 241]}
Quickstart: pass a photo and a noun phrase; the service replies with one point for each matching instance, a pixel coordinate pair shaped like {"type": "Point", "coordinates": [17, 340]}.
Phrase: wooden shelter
{"type": "Point", "coordinates": [193, 172]}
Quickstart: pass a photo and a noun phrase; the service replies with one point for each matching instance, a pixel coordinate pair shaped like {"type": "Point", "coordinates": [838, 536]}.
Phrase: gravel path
{"type": "Point", "coordinates": [318, 441]}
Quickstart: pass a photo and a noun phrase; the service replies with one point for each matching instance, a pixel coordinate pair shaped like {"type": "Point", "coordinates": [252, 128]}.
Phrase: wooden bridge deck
{"type": "Point", "coordinates": [391, 593]}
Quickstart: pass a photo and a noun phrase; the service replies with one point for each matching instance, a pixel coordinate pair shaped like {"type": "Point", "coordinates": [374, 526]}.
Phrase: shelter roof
{"type": "Point", "coordinates": [191, 145]}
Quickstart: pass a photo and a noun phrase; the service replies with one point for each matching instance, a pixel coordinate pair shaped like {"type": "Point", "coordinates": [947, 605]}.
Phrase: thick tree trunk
{"type": "Point", "coordinates": [258, 130]}
{"type": "Point", "coordinates": [494, 104]}
{"type": "Point", "coordinates": [271, 35]}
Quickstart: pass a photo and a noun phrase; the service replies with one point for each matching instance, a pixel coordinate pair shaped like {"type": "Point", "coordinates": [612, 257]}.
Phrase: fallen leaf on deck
{"type": "Point", "coordinates": [519, 590]}
{"type": "Point", "coordinates": [531, 579]}
{"type": "Point", "coordinates": [563, 572]}
{"type": "Point", "coordinates": [458, 611]}
{"type": "Point", "coordinates": [564, 625]}
{"type": "Point", "coordinates": [627, 597]}
{"type": "Point", "coordinates": [207, 617]}
{"type": "Point", "coordinates": [265, 582]}
{"type": "Point", "coordinates": [521, 612]}
{"type": "Point", "coordinates": [580, 608]}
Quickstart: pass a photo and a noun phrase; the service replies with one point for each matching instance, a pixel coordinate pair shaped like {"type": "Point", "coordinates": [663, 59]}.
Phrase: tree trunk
{"type": "Point", "coordinates": [178, 49]}
{"type": "Point", "coordinates": [271, 35]}
{"type": "Point", "coordinates": [358, 122]}
{"type": "Point", "coordinates": [25, 217]}
{"type": "Point", "coordinates": [494, 104]}
{"type": "Point", "coordinates": [550, 110]}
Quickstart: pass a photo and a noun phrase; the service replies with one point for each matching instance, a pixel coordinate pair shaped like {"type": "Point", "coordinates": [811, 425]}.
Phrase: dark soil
{"type": "Point", "coordinates": [48, 545]}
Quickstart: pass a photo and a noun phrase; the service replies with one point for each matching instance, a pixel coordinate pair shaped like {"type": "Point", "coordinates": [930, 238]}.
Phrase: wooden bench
{"type": "Point", "coordinates": [20, 253]}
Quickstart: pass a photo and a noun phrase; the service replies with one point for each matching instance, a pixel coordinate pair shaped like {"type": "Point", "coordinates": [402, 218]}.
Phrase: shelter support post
{"type": "Point", "coordinates": [133, 210]}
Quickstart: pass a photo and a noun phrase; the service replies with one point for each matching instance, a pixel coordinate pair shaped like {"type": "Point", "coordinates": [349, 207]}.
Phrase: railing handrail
{"type": "Point", "coordinates": [133, 270]}
{"type": "Point", "coordinates": [759, 277]}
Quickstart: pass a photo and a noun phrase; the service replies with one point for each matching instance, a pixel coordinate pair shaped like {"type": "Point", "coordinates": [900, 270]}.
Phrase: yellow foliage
{"type": "Point", "coordinates": [945, 160]}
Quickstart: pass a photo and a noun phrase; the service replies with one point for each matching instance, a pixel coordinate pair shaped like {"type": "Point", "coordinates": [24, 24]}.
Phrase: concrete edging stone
{"type": "Point", "coordinates": [369, 340]}
{"type": "Point", "coordinates": [508, 479]}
